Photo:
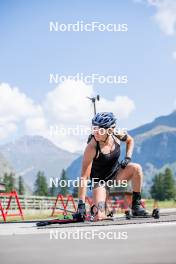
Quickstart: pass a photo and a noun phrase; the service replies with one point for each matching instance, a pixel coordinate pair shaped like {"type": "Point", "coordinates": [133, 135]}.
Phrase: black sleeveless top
{"type": "Point", "coordinates": [106, 165]}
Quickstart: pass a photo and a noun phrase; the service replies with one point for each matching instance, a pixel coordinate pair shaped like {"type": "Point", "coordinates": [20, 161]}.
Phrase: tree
{"type": "Point", "coordinates": [63, 184]}
{"type": "Point", "coordinates": [169, 185]}
{"type": "Point", "coordinates": [157, 189]}
{"type": "Point", "coordinates": [9, 181]}
{"type": "Point", "coordinates": [53, 190]}
{"type": "Point", "coordinates": [21, 189]}
{"type": "Point", "coordinates": [75, 192]}
{"type": "Point", "coordinates": [41, 186]}
{"type": "Point", "coordinates": [163, 187]}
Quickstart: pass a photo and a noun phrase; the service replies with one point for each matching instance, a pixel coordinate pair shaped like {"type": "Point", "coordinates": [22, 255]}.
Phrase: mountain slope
{"type": "Point", "coordinates": [5, 167]}
{"type": "Point", "coordinates": [168, 121]}
{"type": "Point", "coordinates": [30, 154]}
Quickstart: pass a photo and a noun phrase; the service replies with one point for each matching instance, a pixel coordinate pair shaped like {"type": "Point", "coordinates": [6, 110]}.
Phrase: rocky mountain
{"type": "Point", "coordinates": [155, 148]}
{"type": "Point", "coordinates": [5, 167]}
{"type": "Point", "coordinates": [30, 154]}
{"type": "Point", "coordinates": [155, 143]}
{"type": "Point", "coordinates": [165, 121]}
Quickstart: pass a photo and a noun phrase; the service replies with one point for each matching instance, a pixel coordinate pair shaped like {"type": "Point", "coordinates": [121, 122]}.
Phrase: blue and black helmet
{"type": "Point", "coordinates": [104, 120]}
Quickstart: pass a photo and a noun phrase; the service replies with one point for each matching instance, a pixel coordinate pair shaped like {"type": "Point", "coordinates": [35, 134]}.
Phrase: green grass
{"type": "Point", "coordinates": [161, 204]}
{"type": "Point", "coordinates": [32, 216]}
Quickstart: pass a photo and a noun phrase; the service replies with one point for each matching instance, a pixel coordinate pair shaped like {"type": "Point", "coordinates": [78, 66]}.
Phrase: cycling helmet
{"type": "Point", "coordinates": [104, 120]}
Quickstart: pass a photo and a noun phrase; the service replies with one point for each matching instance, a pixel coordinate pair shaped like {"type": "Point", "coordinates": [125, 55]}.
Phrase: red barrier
{"type": "Point", "coordinates": [64, 206]}
{"type": "Point", "coordinates": [4, 211]}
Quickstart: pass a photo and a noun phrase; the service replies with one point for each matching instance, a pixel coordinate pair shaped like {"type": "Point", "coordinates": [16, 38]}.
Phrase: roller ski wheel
{"type": "Point", "coordinates": [128, 214]}
{"type": "Point", "coordinates": [156, 213]}
{"type": "Point", "coordinates": [43, 223]}
{"type": "Point", "coordinates": [110, 214]}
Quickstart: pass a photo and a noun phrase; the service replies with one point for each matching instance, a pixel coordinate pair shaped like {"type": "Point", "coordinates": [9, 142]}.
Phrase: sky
{"type": "Point", "coordinates": [29, 52]}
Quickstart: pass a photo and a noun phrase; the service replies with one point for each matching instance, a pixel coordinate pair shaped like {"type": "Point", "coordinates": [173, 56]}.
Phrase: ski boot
{"type": "Point", "coordinates": [137, 209]}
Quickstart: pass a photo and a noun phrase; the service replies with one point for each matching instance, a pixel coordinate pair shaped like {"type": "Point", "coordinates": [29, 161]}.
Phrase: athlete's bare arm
{"type": "Point", "coordinates": [123, 136]}
{"type": "Point", "coordinates": [88, 156]}
{"type": "Point", "coordinates": [129, 146]}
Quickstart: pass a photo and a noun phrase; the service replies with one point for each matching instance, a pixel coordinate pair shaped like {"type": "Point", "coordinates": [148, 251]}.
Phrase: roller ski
{"type": "Point", "coordinates": [138, 211]}
{"type": "Point", "coordinates": [78, 217]}
{"type": "Point", "coordinates": [155, 214]}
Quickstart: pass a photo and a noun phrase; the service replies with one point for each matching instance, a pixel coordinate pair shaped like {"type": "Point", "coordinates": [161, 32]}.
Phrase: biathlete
{"type": "Point", "coordinates": [101, 164]}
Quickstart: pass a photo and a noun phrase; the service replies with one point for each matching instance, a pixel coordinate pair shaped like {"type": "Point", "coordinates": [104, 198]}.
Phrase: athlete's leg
{"type": "Point", "coordinates": [99, 198]}
{"type": "Point", "coordinates": [133, 172]}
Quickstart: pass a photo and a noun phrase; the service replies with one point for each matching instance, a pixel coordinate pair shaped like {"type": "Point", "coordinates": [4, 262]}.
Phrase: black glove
{"type": "Point", "coordinates": [125, 162]}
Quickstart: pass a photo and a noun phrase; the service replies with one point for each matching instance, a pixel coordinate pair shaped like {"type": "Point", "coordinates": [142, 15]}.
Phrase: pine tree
{"type": "Point", "coordinates": [21, 189]}
{"type": "Point", "coordinates": [157, 189]}
{"type": "Point", "coordinates": [169, 185]}
{"type": "Point", "coordinates": [63, 184]}
{"type": "Point", "coordinates": [75, 192]}
{"type": "Point", "coordinates": [164, 187]}
{"type": "Point", "coordinates": [9, 181]}
{"type": "Point", "coordinates": [53, 191]}
{"type": "Point", "coordinates": [41, 186]}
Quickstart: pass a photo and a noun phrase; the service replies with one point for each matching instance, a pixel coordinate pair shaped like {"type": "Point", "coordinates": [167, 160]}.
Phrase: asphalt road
{"type": "Point", "coordinates": [140, 243]}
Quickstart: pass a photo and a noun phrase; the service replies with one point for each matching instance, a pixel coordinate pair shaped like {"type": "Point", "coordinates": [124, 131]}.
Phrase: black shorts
{"type": "Point", "coordinates": [103, 182]}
